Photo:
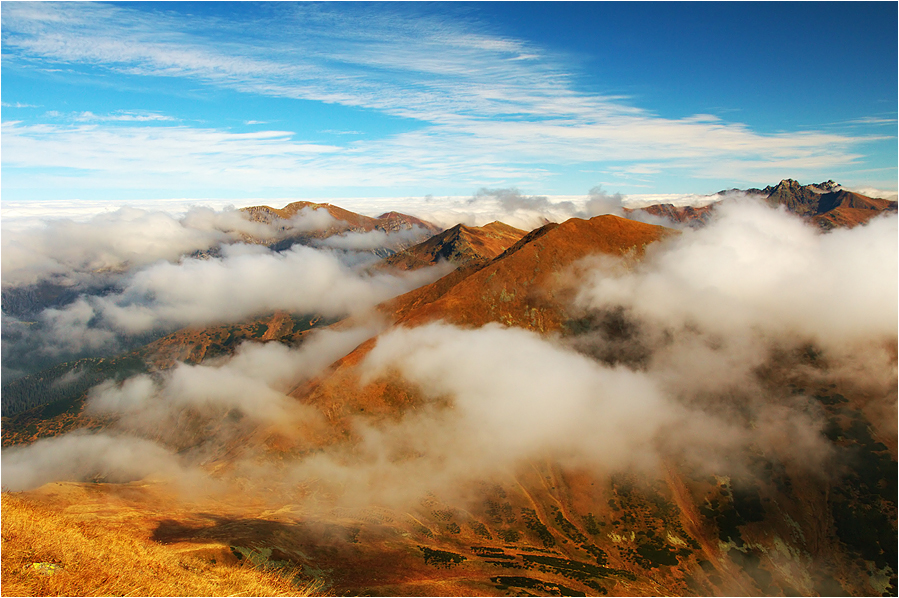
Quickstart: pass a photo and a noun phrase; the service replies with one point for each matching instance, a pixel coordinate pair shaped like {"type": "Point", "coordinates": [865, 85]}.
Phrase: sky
{"type": "Point", "coordinates": [272, 102]}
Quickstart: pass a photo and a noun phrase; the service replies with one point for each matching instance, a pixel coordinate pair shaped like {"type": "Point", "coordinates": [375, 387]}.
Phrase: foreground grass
{"type": "Point", "coordinates": [97, 561]}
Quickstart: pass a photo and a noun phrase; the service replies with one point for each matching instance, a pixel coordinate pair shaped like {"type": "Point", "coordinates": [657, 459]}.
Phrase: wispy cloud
{"type": "Point", "coordinates": [122, 116]}
{"type": "Point", "coordinates": [872, 120]}
{"type": "Point", "coordinates": [491, 109]}
{"type": "Point", "coordinates": [18, 105]}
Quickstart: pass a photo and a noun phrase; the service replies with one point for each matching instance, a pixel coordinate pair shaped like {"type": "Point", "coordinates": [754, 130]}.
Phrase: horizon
{"type": "Point", "coordinates": [394, 105]}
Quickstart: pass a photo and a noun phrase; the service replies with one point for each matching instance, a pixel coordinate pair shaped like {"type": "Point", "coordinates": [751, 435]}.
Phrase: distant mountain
{"type": "Point", "coordinates": [459, 245]}
{"type": "Point", "coordinates": [25, 302]}
{"type": "Point", "coordinates": [344, 221]}
{"type": "Point", "coordinates": [826, 204]}
{"type": "Point", "coordinates": [695, 216]}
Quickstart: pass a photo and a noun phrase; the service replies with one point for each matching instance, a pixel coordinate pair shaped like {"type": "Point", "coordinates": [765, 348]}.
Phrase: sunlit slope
{"type": "Point", "coordinates": [458, 245]}
{"type": "Point", "coordinates": [525, 287]}
{"type": "Point", "coordinates": [556, 529]}
{"type": "Point", "coordinates": [392, 519]}
{"type": "Point", "coordinates": [48, 552]}
{"type": "Point", "coordinates": [520, 287]}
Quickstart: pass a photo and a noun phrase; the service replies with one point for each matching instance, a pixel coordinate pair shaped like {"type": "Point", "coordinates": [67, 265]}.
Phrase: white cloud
{"type": "Point", "coordinates": [376, 239]}
{"type": "Point", "coordinates": [761, 269]}
{"type": "Point", "coordinates": [122, 116]}
{"type": "Point", "coordinates": [710, 316]}
{"type": "Point", "coordinates": [80, 457]}
{"type": "Point", "coordinates": [71, 252]}
{"type": "Point", "coordinates": [246, 281]}
{"type": "Point", "coordinates": [488, 116]}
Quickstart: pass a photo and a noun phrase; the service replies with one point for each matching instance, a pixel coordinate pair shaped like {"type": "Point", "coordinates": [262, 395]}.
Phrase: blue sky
{"type": "Point", "coordinates": [142, 101]}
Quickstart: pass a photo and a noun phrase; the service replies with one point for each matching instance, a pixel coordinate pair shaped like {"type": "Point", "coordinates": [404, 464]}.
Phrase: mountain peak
{"type": "Point", "coordinates": [459, 245]}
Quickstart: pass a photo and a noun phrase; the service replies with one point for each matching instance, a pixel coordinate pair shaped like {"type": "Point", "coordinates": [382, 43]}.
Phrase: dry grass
{"type": "Point", "coordinates": [98, 561]}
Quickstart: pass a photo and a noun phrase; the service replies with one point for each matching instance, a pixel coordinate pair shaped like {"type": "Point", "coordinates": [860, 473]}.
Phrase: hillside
{"type": "Point", "coordinates": [49, 553]}
{"type": "Point", "coordinates": [446, 471]}
{"type": "Point", "coordinates": [458, 245]}
{"type": "Point", "coordinates": [561, 530]}
{"type": "Point", "coordinates": [847, 209]}
{"type": "Point", "coordinates": [519, 287]}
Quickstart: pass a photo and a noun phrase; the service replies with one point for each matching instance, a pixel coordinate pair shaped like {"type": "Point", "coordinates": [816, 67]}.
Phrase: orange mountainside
{"type": "Point", "coordinates": [549, 527]}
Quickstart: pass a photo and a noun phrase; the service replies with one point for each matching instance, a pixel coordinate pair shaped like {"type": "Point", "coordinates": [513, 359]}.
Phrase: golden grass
{"type": "Point", "coordinates": [98, 561]}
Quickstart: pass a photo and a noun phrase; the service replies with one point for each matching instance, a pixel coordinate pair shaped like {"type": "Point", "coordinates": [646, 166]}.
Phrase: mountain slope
{"type": "Point", "coordinates": [763, 524]}
{"type": "Point", "coordinates": [458, 245]}
{"type": "Point", "coordinates": [519, 287]}
{"type": "Point", "coordinates": [695, 216]}
{"type": "Point", "coordinates": [525, 287]}
{"type": "Point", "coordinates": [847, 209]}
{"type": "Point", "coordinates": [558, 529]}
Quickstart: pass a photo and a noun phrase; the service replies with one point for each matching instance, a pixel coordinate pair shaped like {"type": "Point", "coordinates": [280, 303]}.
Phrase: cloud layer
{"type": "Point", "coordinates": [687, 355]}
{"type": "Point", "coordinates": [70, 252]}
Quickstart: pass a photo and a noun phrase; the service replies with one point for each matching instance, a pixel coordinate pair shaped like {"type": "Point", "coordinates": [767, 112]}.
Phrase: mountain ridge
{"type": "Point", "coordinates": [552, 528]}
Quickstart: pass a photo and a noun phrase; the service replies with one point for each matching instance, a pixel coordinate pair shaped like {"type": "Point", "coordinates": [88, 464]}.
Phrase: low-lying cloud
{"type": "Point", "coordinates": [756, 268]}
{"type": "Point", "coordinates": [246, 281]}
{"type": "Point", "coordinates": [375, 239]}
{"type": "Point", "coordinates": [167, 424]}
{"type": "Point", "coordinates": [684, 355]}
{"type": "Point", "coordinates": [72, 253]}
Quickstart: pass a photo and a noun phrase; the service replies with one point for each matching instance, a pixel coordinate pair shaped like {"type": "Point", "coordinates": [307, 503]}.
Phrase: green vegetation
{"type": "Point", "coordinates": [863, 500]}
{"type": "Point", "coordinates": [652, 553]}
{"type": "Point", "coordinates": [568, 528]}
{"type": "Point", "coordinates": [480, 529]}
{"type": "Point", "coordinates": [440, 558]}
{"type": "Point", "coordinates": [592, 525]}
{"type": "Point", "coordinates": [534, 524]}
{"type": "Point", "coordinates": [491, 552]}
{"type": "Point", "coordinates": [509, 536]}
{"type": "Point", "coordinates": [65, 383]}
{"type": "Point", "coordinates": [576, 570]}
{"type": "Point", "coordinates": [500, 512]}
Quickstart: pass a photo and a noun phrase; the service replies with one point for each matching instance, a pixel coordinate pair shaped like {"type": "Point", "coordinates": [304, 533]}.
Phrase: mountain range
{"type": "Point", "coordinates": [756, 523]}
{"type": "Point", "coordinates": [827, 205]}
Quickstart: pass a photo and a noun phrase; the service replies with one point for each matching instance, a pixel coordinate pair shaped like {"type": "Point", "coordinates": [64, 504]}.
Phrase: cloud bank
{"type": "Point", "coordinates": [70, 252]}
{"type": "Point", "coordinates": [246, 281]}
{"type": "Point", "coordinates": [687, 355]}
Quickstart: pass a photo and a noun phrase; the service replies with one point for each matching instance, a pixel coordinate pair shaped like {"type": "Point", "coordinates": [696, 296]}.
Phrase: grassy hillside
{"type": "Point", "coordinates": [47, 553]}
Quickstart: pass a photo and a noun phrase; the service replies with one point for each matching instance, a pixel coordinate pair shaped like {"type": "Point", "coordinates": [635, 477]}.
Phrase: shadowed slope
{"type": "Point", "coordinates": [847, 209]}
{"type": "Point", "coordinates": [695, 216]}
{"type": "Point", "coordinates": [826, 205]}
